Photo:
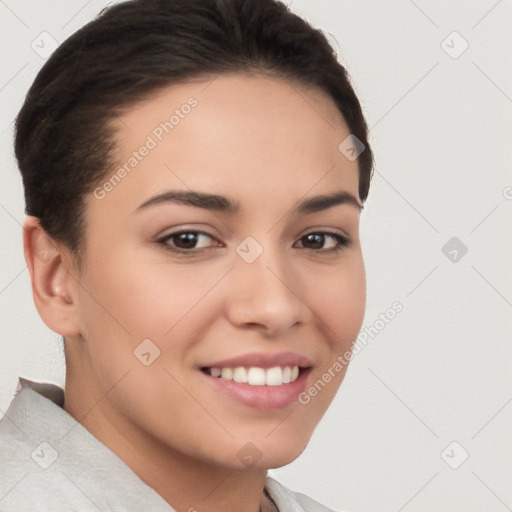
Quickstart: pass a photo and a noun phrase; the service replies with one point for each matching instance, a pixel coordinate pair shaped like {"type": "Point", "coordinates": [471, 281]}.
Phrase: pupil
{"type": "Point", "coordinates": [188, 240]}
{"type": "Point", "coordinates": [318, 241]}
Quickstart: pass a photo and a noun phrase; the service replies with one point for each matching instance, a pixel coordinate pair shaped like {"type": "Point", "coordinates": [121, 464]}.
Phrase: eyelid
{"type": "Point", "coordinates": [171, 234]}
{"type": "Point", "coordinates": [176, 230]}
{"type": "Point", "coordinates": [327, 231]}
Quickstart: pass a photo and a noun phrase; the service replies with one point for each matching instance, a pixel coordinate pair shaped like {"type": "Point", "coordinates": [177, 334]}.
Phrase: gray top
{"type": "Point", "coordinates": [50, 462]}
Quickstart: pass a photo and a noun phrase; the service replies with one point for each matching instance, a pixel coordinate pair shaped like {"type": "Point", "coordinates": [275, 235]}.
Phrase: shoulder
{"type": "Point", "coordinates": [28, 479]}
{"type": "Point", "coordinates": [292, 501]}
{"type": "Point", "coordinates": [50, 462]}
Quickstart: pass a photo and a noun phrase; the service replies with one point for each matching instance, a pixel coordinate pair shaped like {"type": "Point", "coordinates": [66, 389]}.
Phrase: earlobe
{"type": "Point", "coordinates": [53, 284]}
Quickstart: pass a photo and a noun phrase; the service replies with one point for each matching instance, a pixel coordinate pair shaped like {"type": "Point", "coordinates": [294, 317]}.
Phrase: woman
{"type": "Point", "coordinates": [194, 173]}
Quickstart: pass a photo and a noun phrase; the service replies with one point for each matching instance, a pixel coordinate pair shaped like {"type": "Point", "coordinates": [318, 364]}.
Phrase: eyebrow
{"type": "Point", "coordinates": [220, 203]}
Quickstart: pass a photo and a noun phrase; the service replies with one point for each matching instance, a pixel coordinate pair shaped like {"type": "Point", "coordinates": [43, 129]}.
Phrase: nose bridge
{"type": "Point", "coordinates": [262, 261]}
{"type": "Point", "coordinates": [264, 288]}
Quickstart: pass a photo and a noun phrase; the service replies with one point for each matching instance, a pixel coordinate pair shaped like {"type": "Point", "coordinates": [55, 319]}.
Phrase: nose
{"type": "Point", "coordinates": [265, 294]}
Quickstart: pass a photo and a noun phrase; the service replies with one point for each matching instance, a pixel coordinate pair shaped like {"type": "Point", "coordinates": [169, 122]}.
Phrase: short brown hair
{"type": "Point", "coordinates": [64, 142]}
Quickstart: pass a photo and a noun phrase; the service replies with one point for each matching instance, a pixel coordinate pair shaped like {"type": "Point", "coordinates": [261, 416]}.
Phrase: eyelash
{"type": "Point", "coordinates": [342, 240]}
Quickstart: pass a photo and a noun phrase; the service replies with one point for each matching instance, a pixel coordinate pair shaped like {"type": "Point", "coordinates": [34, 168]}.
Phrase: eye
{"type": "Point", "coordinates": [318, 239]}
{"type": "Point", "coordinates": [184, 242]}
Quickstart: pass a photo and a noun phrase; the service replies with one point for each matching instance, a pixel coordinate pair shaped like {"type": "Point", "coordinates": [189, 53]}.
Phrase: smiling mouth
{"type": "Point", "coordinates": [256, 376]}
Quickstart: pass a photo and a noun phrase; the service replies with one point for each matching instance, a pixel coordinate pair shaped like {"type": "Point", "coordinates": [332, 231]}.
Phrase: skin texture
{"type": "Point", "coordinates": [268, 144]}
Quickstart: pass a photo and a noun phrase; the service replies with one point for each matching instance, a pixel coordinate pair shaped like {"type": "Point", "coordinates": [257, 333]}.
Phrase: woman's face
{"type": "Point", "coordinates": [262, 290]}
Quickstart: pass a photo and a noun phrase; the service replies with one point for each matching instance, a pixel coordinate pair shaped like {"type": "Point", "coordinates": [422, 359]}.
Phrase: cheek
{"type": "Point", "coordinates": [130, 299]}
{"type": "Point", "coordinates": [341, 302]}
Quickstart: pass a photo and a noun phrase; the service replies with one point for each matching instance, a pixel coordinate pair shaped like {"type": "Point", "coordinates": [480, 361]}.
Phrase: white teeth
{"type": "Point", "coordinates": [274, 376]}
{"type": "Point", "coordinates": [227, 373]}
{"type": "Point", "coordinates": [240, 374]}
{"type": "Point", "coordinates": [256, 376]}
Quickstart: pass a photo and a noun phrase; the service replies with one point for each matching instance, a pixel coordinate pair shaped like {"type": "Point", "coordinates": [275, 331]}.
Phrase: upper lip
{"type": "Point", "coordinates": [262, 360]}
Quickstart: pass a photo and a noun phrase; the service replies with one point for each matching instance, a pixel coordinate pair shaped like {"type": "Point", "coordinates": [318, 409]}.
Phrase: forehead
{"type": "Point", "coordinates": [246, 94]}
{"type": "Point", "coordinates": [235, 135]}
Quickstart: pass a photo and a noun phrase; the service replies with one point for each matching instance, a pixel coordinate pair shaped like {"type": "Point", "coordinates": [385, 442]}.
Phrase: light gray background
{"type": "Point", "coordinates": [441, 370]}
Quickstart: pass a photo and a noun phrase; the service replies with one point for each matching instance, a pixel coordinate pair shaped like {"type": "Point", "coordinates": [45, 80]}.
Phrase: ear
{"type": "Point", "coordinates": [53, 278]}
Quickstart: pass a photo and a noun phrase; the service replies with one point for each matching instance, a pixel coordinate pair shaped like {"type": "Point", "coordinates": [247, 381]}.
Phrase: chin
{"type": "Point", "coordinates": [278, 460]}
{"type": "Point", "coordinates": [267, 457]}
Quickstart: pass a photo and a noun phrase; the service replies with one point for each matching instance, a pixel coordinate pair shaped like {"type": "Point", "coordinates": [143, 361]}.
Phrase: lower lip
{"type": "Point", "coordinates": [262, 397]}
